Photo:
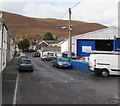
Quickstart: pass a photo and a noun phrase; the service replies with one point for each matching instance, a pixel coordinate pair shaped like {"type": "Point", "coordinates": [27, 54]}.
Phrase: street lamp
{"type": "Point", "coordinates": [63, 27]}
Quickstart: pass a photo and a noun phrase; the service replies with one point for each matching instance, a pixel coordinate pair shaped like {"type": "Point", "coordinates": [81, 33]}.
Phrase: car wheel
{"type": "Point", "coordinates": [70, 67]}
{"type": "Point", "coordinates": [31, 70]}
{"type": "Point", "coordinates": [53, 65]}
{"type": "Point", "coordinates": [104, 73]}
{"type": "Point", "coordinates": [60, 67]}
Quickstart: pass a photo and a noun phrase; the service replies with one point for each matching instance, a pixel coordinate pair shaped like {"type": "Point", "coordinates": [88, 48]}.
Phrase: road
{"type": "Point", "coordinates": [50, 85]}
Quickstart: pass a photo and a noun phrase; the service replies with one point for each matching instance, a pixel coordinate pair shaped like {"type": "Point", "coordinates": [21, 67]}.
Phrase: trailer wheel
{"type": "Point", "coordinates": [104, 73]}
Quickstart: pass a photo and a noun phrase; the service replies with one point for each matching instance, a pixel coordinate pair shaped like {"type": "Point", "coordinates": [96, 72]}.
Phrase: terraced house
{"type": "Point", "coordinates": [7, 45]}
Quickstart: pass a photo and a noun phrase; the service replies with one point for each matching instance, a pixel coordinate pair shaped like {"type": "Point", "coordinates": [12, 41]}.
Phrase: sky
{"type": "Point", "coordinates": [94, 11]}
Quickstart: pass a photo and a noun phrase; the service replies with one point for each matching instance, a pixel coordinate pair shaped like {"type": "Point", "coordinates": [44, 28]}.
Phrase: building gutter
{"type": "Point", "coordinates": [2, 48]}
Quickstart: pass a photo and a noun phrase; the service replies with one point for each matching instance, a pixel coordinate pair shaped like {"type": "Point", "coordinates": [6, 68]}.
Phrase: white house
{"type": "Point", "coordinates": [103, 39]}
{"type": "Point", "coordinates": [7, 46]}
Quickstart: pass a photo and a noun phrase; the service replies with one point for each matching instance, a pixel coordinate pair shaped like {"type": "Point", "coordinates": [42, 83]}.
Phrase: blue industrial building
{"type": "Point", "coordinates": [117, 44]}
{"type": "Point", "coordinates": [98, 45]}
{"type": "Point", "coordinates": [101, 40]}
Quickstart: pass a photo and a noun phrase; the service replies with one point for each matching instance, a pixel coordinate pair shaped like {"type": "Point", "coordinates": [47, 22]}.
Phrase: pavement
{"type": "Point", "coordinates": [9, 76]}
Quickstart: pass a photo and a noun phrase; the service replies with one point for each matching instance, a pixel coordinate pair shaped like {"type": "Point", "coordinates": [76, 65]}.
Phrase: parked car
{"type": "Point", "coordinates": [22, 58]}
{"type": "Point", "coordinates": [48, 56]}
{"type": "Point", "coordinates": [25, 65]}
{"type": "Point", "coordinates": [104, 64]}
{"type": "Point", "coordinates": [35, 54]}
{"type": "Point", "coordinates": [61, 62]}
{"type": "Point", "coordinates": [21, 54]}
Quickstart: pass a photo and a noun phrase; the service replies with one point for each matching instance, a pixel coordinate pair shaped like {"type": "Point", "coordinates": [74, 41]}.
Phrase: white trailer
{"type": "Point", "coordinates": [105, 64]}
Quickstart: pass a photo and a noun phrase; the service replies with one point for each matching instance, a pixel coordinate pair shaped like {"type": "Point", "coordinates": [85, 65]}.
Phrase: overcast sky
{"type": "Point", "coordinates": [95, 11]}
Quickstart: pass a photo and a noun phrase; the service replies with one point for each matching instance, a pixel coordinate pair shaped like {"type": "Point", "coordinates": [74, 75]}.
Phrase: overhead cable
{"type": "Point", "coordinates": [77, 4]}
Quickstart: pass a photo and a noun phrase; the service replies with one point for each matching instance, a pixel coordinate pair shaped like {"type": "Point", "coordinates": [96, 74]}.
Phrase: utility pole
{"type": "Point", "coordinates": [70, 41]}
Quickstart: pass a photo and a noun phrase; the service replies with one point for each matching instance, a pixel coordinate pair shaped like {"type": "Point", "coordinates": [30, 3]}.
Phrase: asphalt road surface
{"type": "Point", "coordinates": [50, 85]}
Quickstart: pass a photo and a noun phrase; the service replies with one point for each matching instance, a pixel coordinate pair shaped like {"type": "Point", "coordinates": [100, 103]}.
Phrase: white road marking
{"type": "Point", "coordinates": [16, 87]}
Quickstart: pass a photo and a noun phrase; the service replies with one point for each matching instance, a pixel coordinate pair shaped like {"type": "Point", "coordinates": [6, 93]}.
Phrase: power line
{"type": "Point", "coordinates": [71, 8]}
{"type": "Point", "coordinates": [64, 15]}
{"type": "Point", "coordinates": [77, 4]}
{"type": "Point", "coordinates": [66, 12]}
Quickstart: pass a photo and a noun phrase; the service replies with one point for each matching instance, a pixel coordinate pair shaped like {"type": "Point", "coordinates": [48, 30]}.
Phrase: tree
{"type": "Point", "coordinates": [48, 36]}
{"type": "Point", "coordinates": [20, 44]}
{"type": "Point", "coordinates": [24, 44]}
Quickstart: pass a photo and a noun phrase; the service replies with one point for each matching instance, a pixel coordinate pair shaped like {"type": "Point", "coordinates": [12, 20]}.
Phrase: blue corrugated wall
{"type": "Point", "coordinates": [81, 43]}
{"type": "Point", "coordinates": [83, 66]}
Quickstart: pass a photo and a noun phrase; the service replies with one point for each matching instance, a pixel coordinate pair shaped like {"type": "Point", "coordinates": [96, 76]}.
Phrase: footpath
{"type": "Point", "coordinates": [9, 76]}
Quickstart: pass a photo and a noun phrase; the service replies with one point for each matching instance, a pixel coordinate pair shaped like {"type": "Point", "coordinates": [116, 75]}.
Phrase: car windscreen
{"type": "Point", "coordinates": [50, 54]}
{"type": "Point", "coordinates": [23, 57]}
{"type": "Point", "coordinates": [25, 62]}
{"type": "Point", "coordinates": [62, 60]}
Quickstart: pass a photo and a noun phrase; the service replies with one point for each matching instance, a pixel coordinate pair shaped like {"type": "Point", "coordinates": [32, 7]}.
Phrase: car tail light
{"type": "Point", "coordinates": [95, 63]}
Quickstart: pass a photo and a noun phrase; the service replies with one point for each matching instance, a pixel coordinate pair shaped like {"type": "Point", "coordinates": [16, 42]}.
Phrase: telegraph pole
{"type": "Point", "coordinates": [70, 41]}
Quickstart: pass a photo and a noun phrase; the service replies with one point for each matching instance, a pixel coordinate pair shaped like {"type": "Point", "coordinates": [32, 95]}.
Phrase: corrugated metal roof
{"type": "Point", "coordinates": [107, 33]}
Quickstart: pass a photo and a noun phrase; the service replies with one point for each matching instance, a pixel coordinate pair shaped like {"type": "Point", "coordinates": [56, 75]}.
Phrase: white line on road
{"type": "Point", "coordinates": [15, 93]}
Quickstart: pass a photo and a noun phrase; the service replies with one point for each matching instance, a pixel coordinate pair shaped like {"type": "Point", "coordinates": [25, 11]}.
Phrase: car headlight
{"type": "Point", "coordinates": [60, 63]}
{"type": "Point", "coordinates": [69, 64]}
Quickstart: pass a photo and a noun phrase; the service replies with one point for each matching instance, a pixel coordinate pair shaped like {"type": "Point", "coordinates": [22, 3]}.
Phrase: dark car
{"type": "Point", "coordinates": [25, 65]}
{"type": "Point", "coordinates": [61, 63]}
{"type": "Point", "coordinates": [36, 54]}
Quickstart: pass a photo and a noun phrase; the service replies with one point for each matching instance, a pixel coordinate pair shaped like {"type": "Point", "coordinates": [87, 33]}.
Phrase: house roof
{"type": "Point", "coordinates": [43, 42]}
{"type": "Point", "coordinates": [53, 49]}
{"type": "Point", "coordinates": [48, 42]}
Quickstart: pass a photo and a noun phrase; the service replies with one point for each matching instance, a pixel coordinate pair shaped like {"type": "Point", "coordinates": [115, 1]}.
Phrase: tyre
{"type": "Point", "coordinates": [53, 65]}
{"type": "Point", "coordinates": [31, 71]}
{"type": "Point", "coordinates": [19, 70]}
{"type": "Point", "coordinates": [104, 73]}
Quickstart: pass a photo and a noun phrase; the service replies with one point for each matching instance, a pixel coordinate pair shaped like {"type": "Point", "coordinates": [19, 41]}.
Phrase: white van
{"type": "Point", "coordinates": [48, 55]}
{"type": "Point", "coordinates": [104, 64]}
